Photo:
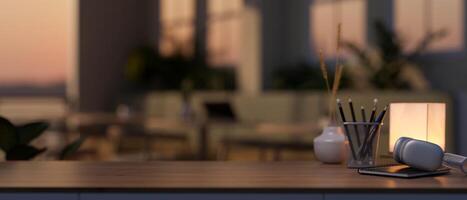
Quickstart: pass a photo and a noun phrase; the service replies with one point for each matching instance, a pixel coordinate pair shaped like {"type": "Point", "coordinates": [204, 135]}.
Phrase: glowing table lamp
{"type": "Point", "coordinates": [423, 121]}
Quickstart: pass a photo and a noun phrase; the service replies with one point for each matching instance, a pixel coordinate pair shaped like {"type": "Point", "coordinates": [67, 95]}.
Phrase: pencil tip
{"type": "Point", "coordinates": [350, 99]}
{"type": "Point", "coordinates": [362, 107]}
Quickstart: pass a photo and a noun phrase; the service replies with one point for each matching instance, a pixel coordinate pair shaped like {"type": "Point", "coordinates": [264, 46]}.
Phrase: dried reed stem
{"type": "Point", "coordinates": [337, 76]}
{"type": "Point", "coordinates": [324, 70]}
{"type": "Point", "coordinates": [338, 44]}
{"type": "Point", "coordinates": [337, 80]}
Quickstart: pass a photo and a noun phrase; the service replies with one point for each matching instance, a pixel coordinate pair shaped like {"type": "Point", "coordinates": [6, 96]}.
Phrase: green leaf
{"type": "Point", "coordinates": [8, 138]}
{"type": "Point", "coordinates": [71, 148]}
{"type": "Point", "coordinates": [23, 152]}
{"type": "Point", "coordinates": [31, 131]}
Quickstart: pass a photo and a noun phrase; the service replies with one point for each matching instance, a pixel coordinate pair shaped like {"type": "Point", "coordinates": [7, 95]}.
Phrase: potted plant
{"type": "Point", "coordinates": [15, 141]}
{"type": "Point", "coordinates": [330, 146]}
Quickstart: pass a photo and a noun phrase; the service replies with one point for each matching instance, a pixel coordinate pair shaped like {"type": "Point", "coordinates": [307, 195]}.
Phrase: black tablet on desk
{"type": "Point", "coordinates": [401, 171]}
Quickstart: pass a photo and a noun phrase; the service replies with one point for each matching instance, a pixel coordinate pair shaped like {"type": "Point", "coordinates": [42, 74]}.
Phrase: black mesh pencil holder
{"type": "Point", "coordinates": [363, 142]}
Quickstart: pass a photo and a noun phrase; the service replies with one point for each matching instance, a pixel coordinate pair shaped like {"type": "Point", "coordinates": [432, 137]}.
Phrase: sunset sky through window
{"type": "Point", "coordinates": [35, 41]}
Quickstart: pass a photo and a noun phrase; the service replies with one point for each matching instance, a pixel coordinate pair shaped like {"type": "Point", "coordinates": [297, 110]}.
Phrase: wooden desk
{"type": "Point", "coordinates": [213, 180]}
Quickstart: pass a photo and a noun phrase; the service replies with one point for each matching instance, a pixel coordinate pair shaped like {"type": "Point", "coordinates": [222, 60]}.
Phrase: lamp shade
{"type": "Point", "coordinates": [422, 121]}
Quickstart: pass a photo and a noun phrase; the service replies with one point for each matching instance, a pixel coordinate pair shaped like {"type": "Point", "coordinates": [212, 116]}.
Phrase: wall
{"type": "Point", "coordinates": [249, 70]}
{"type": "Point", "coordinates": [284, 36]}
{"type": "Point", "coordinates": [108, 31]}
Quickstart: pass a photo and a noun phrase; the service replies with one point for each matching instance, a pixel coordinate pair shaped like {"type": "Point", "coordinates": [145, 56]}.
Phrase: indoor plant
{"type": "Point", "coordinates": [15, 140]}
{"type": "Point", "coordinates": [388, 65]}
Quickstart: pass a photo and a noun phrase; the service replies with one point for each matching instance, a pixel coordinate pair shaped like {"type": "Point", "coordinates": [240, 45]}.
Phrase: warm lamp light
{"type": "Point", "coordinates": [423, 121]}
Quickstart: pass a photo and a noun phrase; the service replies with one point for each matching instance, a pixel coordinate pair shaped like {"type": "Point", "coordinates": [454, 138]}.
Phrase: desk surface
{"type": "Point", "coordinates": [209, 176]}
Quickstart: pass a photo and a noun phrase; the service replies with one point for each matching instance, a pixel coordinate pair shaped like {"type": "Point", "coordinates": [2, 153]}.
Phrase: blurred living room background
{"type": "Point", "coordinates": [220, 79]}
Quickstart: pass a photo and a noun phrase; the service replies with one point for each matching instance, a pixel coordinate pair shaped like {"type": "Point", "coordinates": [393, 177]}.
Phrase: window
{"type": "Point", "coordinates": [325, 16]}
{"type": "Point", "coordinates": [177, 26]}
{"type": "Point", "coordinates": [415, 18]}
{"type": "Point", "coordinates": [223, 29]}
{"type": "Point", "coordinates": [37, 46]}
{"type": "Point", "coordinates": [223, 33]}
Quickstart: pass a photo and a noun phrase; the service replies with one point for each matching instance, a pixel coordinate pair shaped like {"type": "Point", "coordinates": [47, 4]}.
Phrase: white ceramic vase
{"type": "Point", "coordinates": [330, 146]}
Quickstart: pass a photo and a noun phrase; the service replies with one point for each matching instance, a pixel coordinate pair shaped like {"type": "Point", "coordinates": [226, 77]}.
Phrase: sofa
{"type": "Point", "coordinates": [286, 107]}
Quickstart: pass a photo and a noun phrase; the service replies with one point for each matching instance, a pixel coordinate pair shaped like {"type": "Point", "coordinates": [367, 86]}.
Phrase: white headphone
{"type": "Point", "coordinates": [426, 155]}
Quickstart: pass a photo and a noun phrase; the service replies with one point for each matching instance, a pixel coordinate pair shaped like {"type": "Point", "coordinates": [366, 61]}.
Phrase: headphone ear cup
{"type": "Point", "coordinates": [398, 149]}
{"type": "Point", "coordinates": [420, 154]}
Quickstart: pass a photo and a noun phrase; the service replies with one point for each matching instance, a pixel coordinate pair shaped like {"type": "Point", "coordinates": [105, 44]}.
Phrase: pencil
{"type": "Point", "coordinates": [373, 132]}
{"type": "Point", "coordinates": [379, 120]}
{"type": "Point", "coordinates": [341, 111]}
{"type": "Point", "coordinates": [373, 112]}
{"type": "Point", "coordinates": [367, 130]}
{"type": "Point", "coordinates": [352, 113]}
{"type": "Point", "coordinates": [363, 113]}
